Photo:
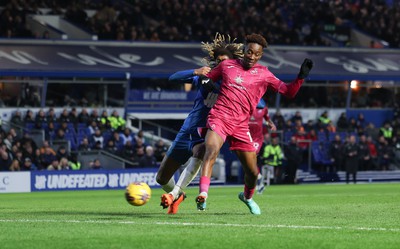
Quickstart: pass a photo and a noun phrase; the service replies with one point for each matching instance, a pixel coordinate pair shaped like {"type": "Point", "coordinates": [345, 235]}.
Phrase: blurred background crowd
{"type": "Point", "coordinates": [292, 22]}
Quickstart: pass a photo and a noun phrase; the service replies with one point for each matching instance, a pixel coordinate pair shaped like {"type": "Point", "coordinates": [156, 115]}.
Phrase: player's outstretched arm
{"type": "Point", "coordinates": [188, 75]}
{"type": "Point", "coordinates": [290, 90]}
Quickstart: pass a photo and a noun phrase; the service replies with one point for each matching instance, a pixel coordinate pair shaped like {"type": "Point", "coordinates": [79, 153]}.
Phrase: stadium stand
{"type": "Point", "coordinates": [300, 23]}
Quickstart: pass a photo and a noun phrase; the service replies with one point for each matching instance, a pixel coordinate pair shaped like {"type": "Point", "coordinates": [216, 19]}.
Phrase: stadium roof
{"type": "Point", "coordinates": [48, 58]}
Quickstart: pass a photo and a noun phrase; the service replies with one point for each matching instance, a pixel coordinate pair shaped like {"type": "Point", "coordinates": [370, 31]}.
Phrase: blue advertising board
{"type": "Point", "coordinates": [91, 179]}
{"type": "Point", "coordinates": [140, 59]}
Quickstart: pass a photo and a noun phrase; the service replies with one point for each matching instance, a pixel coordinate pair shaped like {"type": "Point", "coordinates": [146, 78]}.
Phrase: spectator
{"type": "Point", "coordinates": [117, 123]}
{"type": "Point", "coordinates": [290, 127]}
{"type": "Point", "coordinates": [309, 125]}
{"type": "Point", "coordinates": [384, 153]}
{"type": "Point", "coordinates": [160, 150]}
{"type": "Point", "coordinates": [386, 131]}
{"type": "Point", "coordinates": [361, 123]}
{"type": "Point", "coordinates": [279, 120]}
{"type": "Point", "coordinates": [298, 125]}
{"type": "Point", "coordinates": [48, 156]}
{"type": "Point", "coordinates": [64, 164]}
{"type": "Point", "coordinates": [97, 137]}
{"type": "Point", "coordinates": [373, 152]}
{"type": "Point", "coordinates": [54, 165]}
{"type": "Point", "coordinates": [73, 116]}
{"type": "Point", "coordinates": [37, 160]}
{"type": "Point", "coordinates": [66, 128]}
{"type": "Point", "coordinates": [29, 119]}
{"type": "Point", "coordinates": [293, 155]}
{"type": "Point", "coordinates": [139, 148]}
{"type": "Point", "coordinates": [103, 119]}
{"type": "Point", "coordinates": [64, 117]}
{"type": "Point", "coordinates": [297, 116]}
{"type": "Point", "coordinates": [118, 141]}
{"type": "Point", "coordinates": [96, 164]}
{"type": "Point", "coordinates": [60, 134]}
{"type": "Point", "coordinates": [74, 163]}
{"type": "Point", "coordinates": [323, 120]}
{"type": "Point", "coordinates": [8, 140]}
{"type": "Point", "coordinates": [16, 120]}
{"type": "Point", "coordinates": [140, 136]}
{"type": "Point", "coordinates": [46, 146]}
{"type": "Point", "coordinates": [27, 140]}
{"type": "Point", "coordinates": [83, 117]}
{"type": "Point", "coordinates": [148, 160]}
{"type": "Point", "coordinates": [50, 132]}
{"type": "Point", "coordinates": [351, 158]}
{"type": "Point", "coordinates": [111, 148]}
{"type": "Point", "coordinates": [28, 165]}
{"type": "Point", "coordinates": [93, 127]}
{"type": "Point", "coordinates": [311, 135]}
{"type": "Point", "coordinates": [336, 154]}
{"type": "Point", "coordinates": [128, 151]}
{"type": "Point", "coordinates": [273, 156]}
{"type": "Point", "coordinates": [126, 135]}
{"type": "Point", "coordinates": [372, 132]}
{"type": "Point", "coordinates": [342, 123]}
{"type": "Point", "coordinates": [365, 162]}
{"type": "Point", "coordinates": [5, 158]}
{"type": "Point", "coordinates": [51, 116]}
{"type": "Point", "coordinates": [331, 127]}
{"type": "Point", "coordinates": [84, 146]}
{"type": "Point", "coordinates": [352, 128]}
{"type": "Point", "coordinates": [94, 116]}
{"type": "Point", "coordinates": [62, 152]}
{"type": "Point", "coordinates": [15, 165]}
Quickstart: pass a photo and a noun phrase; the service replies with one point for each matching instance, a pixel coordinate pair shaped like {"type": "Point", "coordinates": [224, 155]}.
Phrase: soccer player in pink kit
{"type": "Point", "coordinates": [256, 131]}
{"type": "Point", "coordinates": [256, 124]}
{"type": "Point", "coordinates": [244, 82]}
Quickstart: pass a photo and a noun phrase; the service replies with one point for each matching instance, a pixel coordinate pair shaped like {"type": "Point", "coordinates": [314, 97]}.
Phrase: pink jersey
{"type": "Point", "coordinates": [242, 89]}
{"type": "Point", "coordinates": [256, 126]}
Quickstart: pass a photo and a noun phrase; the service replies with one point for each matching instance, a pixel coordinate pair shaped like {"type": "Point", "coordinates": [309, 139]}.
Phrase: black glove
{"type": "Point", "coordinates": [305, 68]}
{"type": "Point", "coordinates": [207, 84]}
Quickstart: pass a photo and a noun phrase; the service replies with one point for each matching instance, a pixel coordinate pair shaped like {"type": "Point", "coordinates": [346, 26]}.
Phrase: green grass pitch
{"type": "Point", "coordinates": [303, 216]}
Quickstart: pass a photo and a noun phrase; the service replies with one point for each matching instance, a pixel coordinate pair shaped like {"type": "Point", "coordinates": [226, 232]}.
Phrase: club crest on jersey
{"type": "Point", "coordinates": [239, 79]}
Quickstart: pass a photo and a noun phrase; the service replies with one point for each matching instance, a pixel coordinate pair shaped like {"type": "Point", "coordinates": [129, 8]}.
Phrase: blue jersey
{"type": "Point", "coordinates": [181, 148]}
{"type": "Point", "coordinates": [202, 104]}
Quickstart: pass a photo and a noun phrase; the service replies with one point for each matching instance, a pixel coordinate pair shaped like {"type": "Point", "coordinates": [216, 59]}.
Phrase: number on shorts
{"type": "Point", "coordinates": [251, 139]}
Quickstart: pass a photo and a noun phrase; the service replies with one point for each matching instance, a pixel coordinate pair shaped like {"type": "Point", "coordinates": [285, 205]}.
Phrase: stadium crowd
{"type": "Point", "coordinates": [379, 146]}
{"type": "Point", "coordinates": [289, 22]}
{"type": "Point", "coordinates": [84, 131]}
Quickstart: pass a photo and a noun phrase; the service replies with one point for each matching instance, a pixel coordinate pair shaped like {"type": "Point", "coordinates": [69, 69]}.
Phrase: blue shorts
{"type": "Point", "coordinates": [181, 149]}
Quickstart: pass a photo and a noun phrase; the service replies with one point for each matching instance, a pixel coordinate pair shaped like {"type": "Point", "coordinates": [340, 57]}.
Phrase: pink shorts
{"type": "Point", "coordinates": [237, 135]}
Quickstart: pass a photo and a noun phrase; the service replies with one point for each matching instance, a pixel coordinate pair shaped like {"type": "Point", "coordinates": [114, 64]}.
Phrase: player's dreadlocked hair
{"type": "Point", "coordinates": [256, 38]}
{"type": "Point", "coordinates": [221, 45]}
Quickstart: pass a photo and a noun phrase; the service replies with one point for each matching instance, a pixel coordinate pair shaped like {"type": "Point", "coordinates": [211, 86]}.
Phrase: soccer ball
{"type": "Point", "coordinates": [137, 193]}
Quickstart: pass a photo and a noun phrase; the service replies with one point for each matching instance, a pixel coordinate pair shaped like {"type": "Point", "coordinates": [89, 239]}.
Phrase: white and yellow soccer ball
{"type": "Point", "coordinates": [137, 193]}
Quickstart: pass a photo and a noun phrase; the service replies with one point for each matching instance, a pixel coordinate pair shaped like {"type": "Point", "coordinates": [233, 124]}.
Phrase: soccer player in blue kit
{"type": "Point", "coordinates": [188, 146]}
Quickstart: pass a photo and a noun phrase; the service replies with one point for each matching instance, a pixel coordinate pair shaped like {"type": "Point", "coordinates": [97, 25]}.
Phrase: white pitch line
{"type": "Point", "coordinates": [268, 226]}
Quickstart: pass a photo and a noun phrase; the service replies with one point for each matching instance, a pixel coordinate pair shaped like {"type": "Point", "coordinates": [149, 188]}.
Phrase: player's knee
{"type": "Point", "coordinates": [211, 153]}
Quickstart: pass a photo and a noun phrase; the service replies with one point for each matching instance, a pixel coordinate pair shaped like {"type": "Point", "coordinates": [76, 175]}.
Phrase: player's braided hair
{"type": "Point", "coordinates": [256, 38]}
{"type": "Point", "coordinates": [221, 45]}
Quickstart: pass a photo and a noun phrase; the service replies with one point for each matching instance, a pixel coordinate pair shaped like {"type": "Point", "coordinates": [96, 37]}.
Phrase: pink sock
{"type": "Point", "coordinates": [248, 192]}
{"type": "Point", "coordinates": [204, 184]}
